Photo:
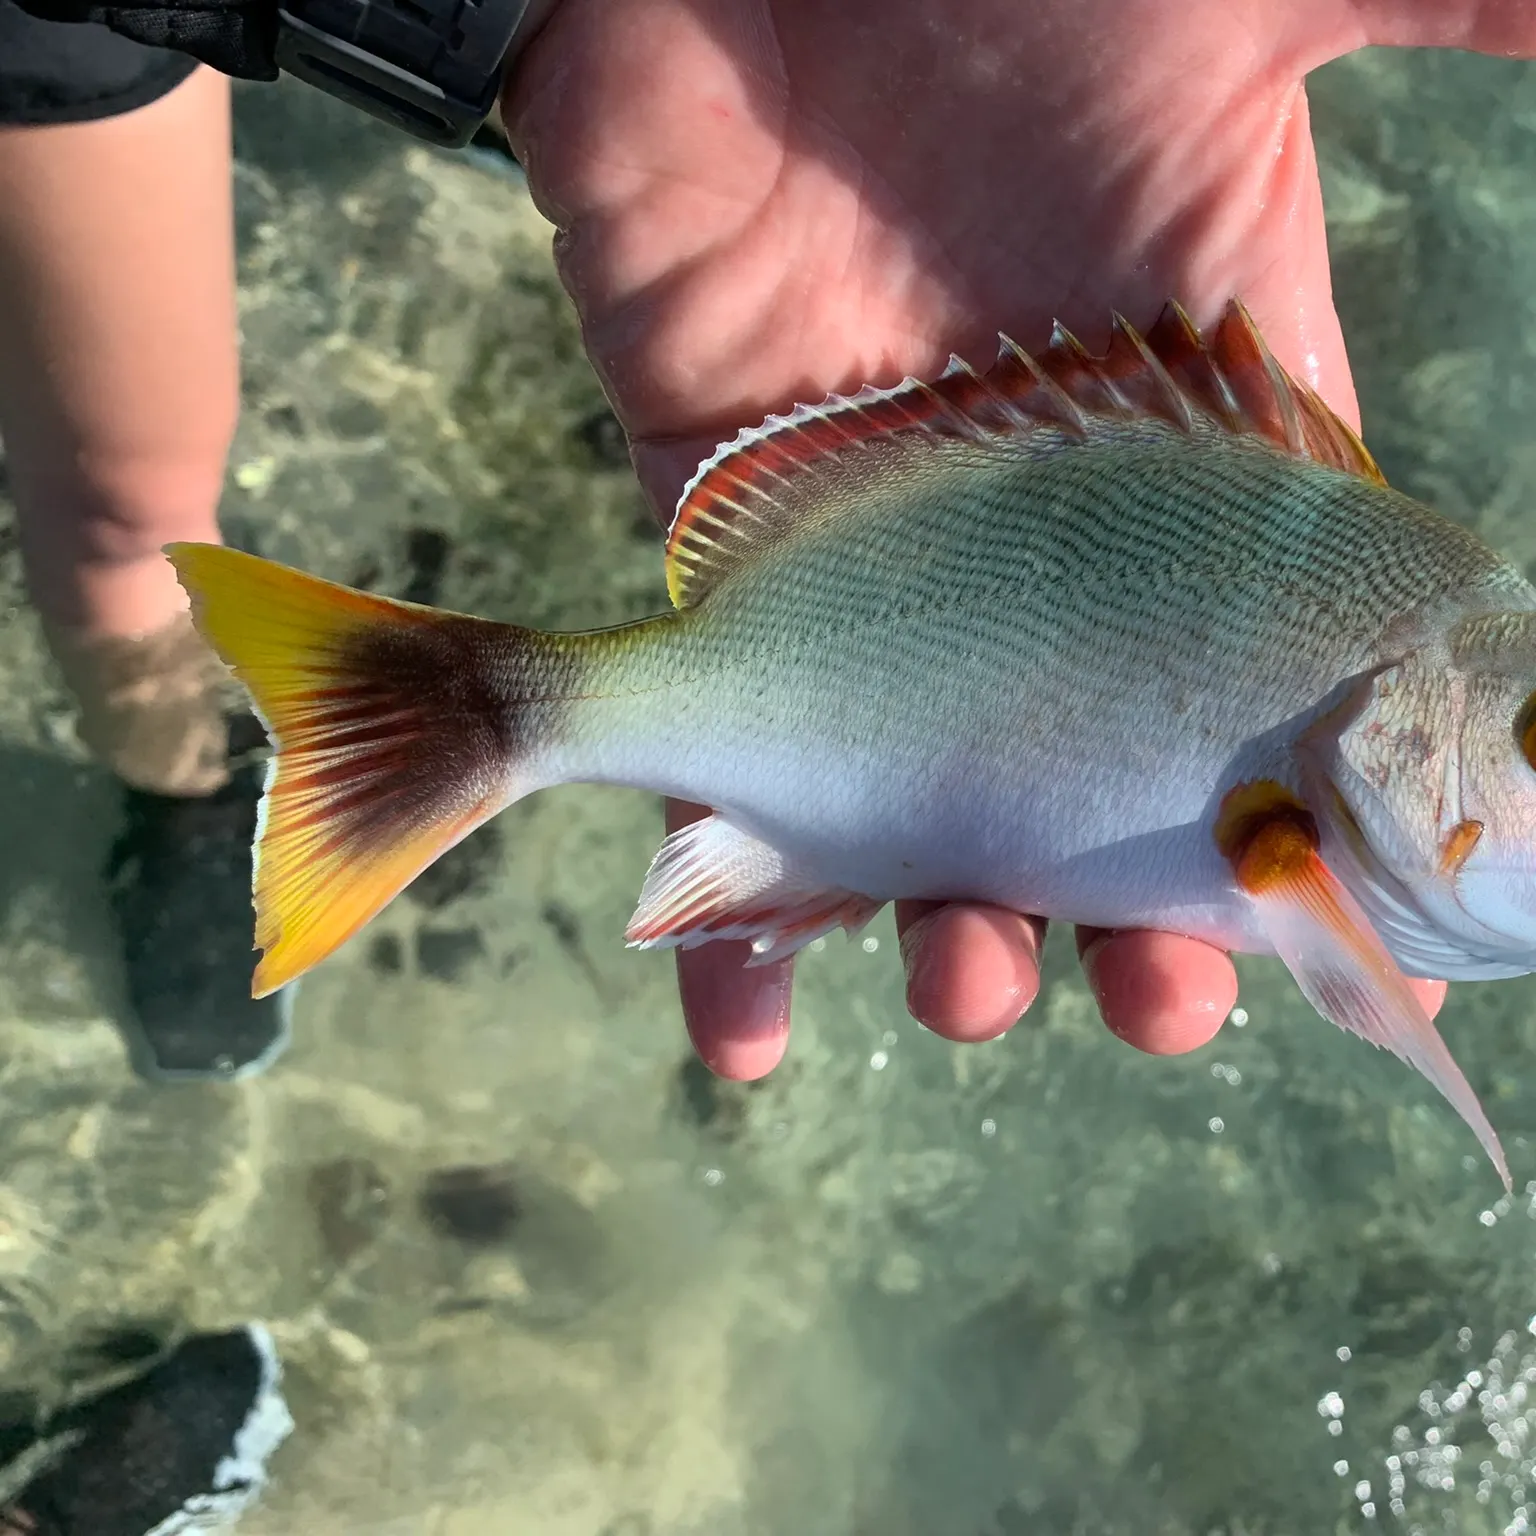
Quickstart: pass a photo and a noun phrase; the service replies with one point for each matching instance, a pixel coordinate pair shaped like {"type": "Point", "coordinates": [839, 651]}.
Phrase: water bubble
{"type": "Point", "coordinates": [869, 944]}
{"type": "Point", "coordinates": [1216, 1124]}
{"type": "Point", "coordinates": [888, 1038]}
{"type": "Point", "coordinates": [1341, 1469]}
{"type": "Point", "coordinates": [1238, 1018]}
{"type": "Point", "coordinates": [879, 1061]}
{"type": "Point", "coordinates": [989, 1127]}
{"type": "Point", "coordinates": [1487, 1218]}
{"type": "Point", "coordinates": [1344, 1352]}
{"type": "Point", "coordinates": [713, 1176]}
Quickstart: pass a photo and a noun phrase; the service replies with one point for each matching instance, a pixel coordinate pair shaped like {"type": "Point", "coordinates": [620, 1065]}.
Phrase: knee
{"type": "Point", "coordinates": [116, 502]}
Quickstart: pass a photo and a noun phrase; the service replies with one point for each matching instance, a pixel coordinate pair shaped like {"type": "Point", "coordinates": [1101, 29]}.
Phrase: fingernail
{"type": "Point", "coordinates": [914, 942]}
{"type": "Point", "coordinates": [1088, 956]}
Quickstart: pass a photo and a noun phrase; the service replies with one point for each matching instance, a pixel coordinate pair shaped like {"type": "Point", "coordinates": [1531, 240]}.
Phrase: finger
{"type": "Point", "coordinates": [1163, 994]}
{"type": "Point", "coordinates": [664, 467]}
{"type": "Point", "coordinates": [737, 1018]}
{"type": "Point", "coordinates": [971, 970]}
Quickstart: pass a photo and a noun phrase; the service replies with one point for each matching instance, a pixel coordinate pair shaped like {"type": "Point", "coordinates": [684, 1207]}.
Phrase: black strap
{"type": "Point", "coordinates": [237, 37]}
{"type": "Point", "coordinates": [431, 67]}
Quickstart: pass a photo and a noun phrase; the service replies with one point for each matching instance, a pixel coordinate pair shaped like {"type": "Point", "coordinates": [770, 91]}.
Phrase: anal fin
{"type": "Point", "coordinates": [1327, 942]}
{"type": "Point", "coordinates": [710, 880]}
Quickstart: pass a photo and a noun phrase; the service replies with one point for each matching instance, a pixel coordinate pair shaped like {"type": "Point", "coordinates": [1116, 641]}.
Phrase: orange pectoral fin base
{"type": "Point", "coordinates": [1328, 943]}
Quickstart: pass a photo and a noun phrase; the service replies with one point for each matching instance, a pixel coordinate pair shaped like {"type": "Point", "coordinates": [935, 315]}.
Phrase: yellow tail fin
{"type": "Point", "coordinates": [394, 732]}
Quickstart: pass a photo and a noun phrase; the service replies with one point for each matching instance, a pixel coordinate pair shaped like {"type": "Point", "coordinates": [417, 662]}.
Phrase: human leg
{"type": "Point", "coordinates": [119, 391]}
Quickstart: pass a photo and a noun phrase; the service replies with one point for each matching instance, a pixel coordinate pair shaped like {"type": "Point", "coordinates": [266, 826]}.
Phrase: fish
{"type": "Point", "coordinates": [1138, 639]}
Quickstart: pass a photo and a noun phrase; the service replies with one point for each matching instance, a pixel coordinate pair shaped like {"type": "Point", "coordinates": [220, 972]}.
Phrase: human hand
{"type": "Point", "coordinates": [759, 201]}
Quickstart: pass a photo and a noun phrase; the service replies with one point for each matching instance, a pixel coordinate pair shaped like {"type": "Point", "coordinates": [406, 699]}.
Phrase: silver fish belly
{"type": "Point", "coordinates": [1031, 682]}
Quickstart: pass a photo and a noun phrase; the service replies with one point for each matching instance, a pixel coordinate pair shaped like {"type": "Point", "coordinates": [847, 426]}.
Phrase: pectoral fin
{"type": "Point", "coordinates": [1341, 965]}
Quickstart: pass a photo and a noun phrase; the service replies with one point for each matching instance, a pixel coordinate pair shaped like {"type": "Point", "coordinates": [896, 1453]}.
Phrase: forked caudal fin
{"type": "Point", "coordinates": [398, 730]}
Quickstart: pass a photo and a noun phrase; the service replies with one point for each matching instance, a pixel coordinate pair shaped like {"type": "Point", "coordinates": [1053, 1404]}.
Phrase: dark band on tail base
{"type": "Point", "coordinates": [399, 729]}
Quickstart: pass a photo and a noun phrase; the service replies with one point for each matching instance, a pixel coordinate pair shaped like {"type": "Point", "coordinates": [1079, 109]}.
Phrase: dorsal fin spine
{"type": "Point", "coordinates": [1229, 403]}
{"type": "Point", "coordinates": [1051, 402]}
{"type": "Point", "coordinates": [1165, 397]}
{"type": "Point", "coordinates": [1229, 382]}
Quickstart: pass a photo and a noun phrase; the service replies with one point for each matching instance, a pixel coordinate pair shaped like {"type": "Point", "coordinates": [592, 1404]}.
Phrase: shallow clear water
{"type": "Point", "coordinates": [1035, 1288]}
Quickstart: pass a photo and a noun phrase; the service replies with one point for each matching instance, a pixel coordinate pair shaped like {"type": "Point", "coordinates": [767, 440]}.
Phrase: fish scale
{"type": "Point", "coordinates": [1033, 649]}
{"type": "Point", "coordinates": [1137, 641]}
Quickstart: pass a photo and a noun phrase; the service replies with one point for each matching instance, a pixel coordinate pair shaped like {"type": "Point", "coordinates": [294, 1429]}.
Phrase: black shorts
{"type": "Point", "coordinates": [58, 72]}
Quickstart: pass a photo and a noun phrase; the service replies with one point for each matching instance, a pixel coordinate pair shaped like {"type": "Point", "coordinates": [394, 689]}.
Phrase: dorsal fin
{"type": "Point", "coordinates": [733, 507]}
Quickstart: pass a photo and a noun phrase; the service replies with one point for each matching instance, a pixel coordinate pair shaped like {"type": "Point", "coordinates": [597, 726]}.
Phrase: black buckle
{"type": "Point", "coordinates": [431, 67]}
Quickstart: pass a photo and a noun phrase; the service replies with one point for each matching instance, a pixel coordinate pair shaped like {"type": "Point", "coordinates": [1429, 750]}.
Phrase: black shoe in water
{"type": "Point", "coordinates": [184, 1447]}
{"type": "Point", "coordinates": [180, 883]}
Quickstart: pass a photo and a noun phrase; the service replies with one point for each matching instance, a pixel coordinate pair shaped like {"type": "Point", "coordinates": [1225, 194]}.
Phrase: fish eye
{"type": "Point", "coordinates": [1525, 730]}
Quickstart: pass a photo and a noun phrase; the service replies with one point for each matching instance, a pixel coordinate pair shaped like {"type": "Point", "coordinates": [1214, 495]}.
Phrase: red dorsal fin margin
{"type": "Point", "coordinates": [1175, 375]}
